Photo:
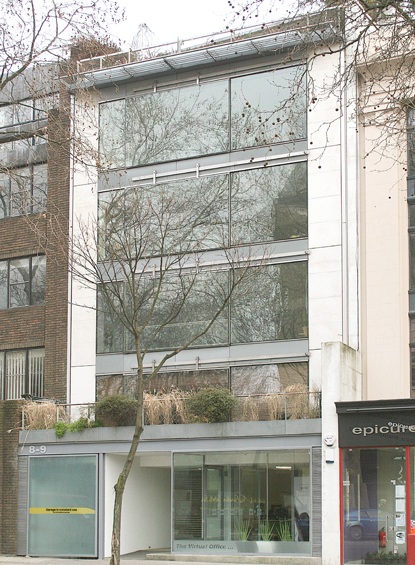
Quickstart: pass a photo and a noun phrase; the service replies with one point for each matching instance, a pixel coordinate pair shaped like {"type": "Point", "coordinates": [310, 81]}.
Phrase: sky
{"type": "Point", "coordinates": [172, 19]}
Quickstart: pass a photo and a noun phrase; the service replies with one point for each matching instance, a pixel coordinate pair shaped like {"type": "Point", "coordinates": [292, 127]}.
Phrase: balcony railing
{"type": "Point", "coordinates": [330, 18]}
{"type": "Point", "coordinates": [171, 408]}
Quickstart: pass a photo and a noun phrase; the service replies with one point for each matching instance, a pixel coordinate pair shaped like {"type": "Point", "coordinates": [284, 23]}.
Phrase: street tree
{"type": "Point", "coordinates": [147, 254]}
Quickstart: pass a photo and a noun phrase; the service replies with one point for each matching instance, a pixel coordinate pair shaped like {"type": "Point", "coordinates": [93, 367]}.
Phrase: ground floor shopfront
{"type": "Point", "coordinates": [206, 488]}
{"type": "Point", "coordinates": [377, 488]}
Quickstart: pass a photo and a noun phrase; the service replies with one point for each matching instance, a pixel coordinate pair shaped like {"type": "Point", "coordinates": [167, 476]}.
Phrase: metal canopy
{"type": "Point", "coordinates": [203, 55]}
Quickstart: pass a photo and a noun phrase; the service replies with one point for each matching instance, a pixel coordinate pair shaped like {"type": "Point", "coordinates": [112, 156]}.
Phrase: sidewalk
{"type": "Point", "coordinates": [125, 560]}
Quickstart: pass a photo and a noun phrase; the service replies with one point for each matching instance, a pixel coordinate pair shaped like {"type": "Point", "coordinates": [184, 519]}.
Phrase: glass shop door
{"type": "Point", "coordinates": [213, 507]}
{"type": "Point", "coordinates": [374, 506]}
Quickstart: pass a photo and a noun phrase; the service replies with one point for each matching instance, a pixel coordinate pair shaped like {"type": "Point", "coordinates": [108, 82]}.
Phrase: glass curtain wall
{"type": "Point", "coordinates": [248, 502]}
{"type": "Point", "coordinates": [205, 119]}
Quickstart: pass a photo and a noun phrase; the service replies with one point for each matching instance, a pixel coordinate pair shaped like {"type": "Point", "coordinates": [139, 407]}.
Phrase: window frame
{"type": "Point", "coordinates": [27, 384]}
{"type": "Point", "coordinates": [8, 284]}
{"type": "Point", "coordinates": [228, 78]}
{"type": "Point", "coordinates": [11, 213]}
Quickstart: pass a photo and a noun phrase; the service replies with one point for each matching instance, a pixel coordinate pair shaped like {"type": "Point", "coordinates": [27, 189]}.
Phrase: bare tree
{"type": "Point", "coordinates": [157, 287]}
{"type": "Point", "coordinates": [35, 32]}
{"type": "Point", "coordinates": [376, 40]}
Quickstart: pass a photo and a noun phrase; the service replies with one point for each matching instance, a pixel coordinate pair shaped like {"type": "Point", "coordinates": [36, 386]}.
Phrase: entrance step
{"type": "Point", "coordinates": [248, 559]}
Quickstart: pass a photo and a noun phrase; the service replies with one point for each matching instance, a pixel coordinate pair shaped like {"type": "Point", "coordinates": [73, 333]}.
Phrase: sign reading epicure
{"type": "Point", "coordinates": [376, 423]}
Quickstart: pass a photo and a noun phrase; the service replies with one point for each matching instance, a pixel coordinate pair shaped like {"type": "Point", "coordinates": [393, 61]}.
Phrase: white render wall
{"type": "Point", "coordinates": [146, 511]}
{"type": "Point", "coordinates": [332, 213]}
{"type": "Point", "coordinates": [385, 261]}
{"type": "Point", "coordinates": [341, 381]}
{"type": "Point", "coordinates": [82, 300]}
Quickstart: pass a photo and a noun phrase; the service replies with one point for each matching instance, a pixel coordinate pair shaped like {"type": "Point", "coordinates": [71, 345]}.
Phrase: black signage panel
{"type": "Point", "coordinates": [376, 424]}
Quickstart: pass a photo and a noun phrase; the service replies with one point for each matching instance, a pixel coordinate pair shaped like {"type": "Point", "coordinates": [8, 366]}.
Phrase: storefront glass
{"type": "Point", "coordinates": [242, 502]}
{"type": "Point", "coordinates": [374, 505]}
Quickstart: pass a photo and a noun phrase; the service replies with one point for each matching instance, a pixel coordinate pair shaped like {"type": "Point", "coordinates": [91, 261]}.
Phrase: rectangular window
{"type": "Point", "coordinates": [204, 119]}
{"type": "Point", "coordinates": [258, 205]}
{"type": "Point", "coordinates": [22, 282]}
{"type": "Point", "coordinates": [269, 204]}
{"type": "Point", "coordinates": [268, 107]}
{"type": "Point", "coordinates": [22, 372]}
{"type": "Point", "coordinates": [23, 191]}
{"type": "Point", "coordinates": [270, 305]}
{"type": "Point", "coordinates": [248, 502]}
{"type": "Point", "coordinates": [27, 110]}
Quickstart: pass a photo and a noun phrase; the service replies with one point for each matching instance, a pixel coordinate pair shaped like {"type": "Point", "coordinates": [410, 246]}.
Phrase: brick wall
{"type": "Point", "coordinates": [37, 326]}
{"type": "Point", "coordinates": [9, 422]}
{"type": "Point", "coordinates": [56, 299]}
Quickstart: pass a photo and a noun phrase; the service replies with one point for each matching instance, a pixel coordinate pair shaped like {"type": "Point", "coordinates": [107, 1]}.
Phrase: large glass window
{"type": "Point", "coordinates": [270, 304]}
{"type": "Point", "coordinates": [23, 191]}
{"type": "Point", "coordinates": [266, 204]}
{"type": "Point", "coordinates": [184, 122]}
{"type": "Point", "coordinates": [269, 204]}
{"type": "Point", "coordinates": [251, 502]}
{"type": "Point", "coordinates": [176, 124]}
{"type": "Point", "coordinates": [374, 505]}
{"type": "Point", "coordinates": [268, 107]}
{"type": "Point", "coordinates": [22, 372]}
{"type": "Point", "coordinates": [244, 380]}
{"type": "Point", "coordinates": [22, 282]}
{"type": "Point", "coordinates": [27, 110]}
{"type": "Point", "coordinates": [63, 506]}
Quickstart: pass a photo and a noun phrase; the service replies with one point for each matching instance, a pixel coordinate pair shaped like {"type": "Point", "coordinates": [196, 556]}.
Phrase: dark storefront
{"type": "Point", "coordinates": [377, 469]}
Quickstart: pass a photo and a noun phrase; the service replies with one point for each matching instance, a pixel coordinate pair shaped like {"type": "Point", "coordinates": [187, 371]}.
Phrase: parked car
{"type": "Point", "coordinates": [362, 524]}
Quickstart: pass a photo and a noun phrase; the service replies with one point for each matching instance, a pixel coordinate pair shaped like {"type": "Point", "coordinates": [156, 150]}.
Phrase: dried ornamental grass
{"type": "Point", "coordinates": [276, 406]}
{"type": "Point", "coordinates": [166, 408]}
{"type": "Point", "coordinates": [43, 415]}
{"type": "Point", "coordinates": [250, 410]}
{"type": "Point", "coordinates": [302, 404]}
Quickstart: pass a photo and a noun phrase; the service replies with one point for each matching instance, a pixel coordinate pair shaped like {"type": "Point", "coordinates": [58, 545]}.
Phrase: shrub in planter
{"type": "Point", "coordinates": [211, 404]}
{"type": "Point", "coordinates": [116, 410]}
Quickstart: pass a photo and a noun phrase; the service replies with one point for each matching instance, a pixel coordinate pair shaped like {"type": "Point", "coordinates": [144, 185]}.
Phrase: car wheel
{"type": "Point", "coordinates": [356, 533]}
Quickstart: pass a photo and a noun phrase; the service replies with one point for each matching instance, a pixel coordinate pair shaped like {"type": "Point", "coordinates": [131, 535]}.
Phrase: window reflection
{"type": "Point", "coordinates": [271, 305]}
{"type": "Point", "coordinates": [23, 190]}
{"type": "Point", "coordinates": [268, 107]}
{"type": "Point", "coordinates": [22, 282]}
{"type": "Point", "coordinates": [177, 123]}
{"type": "Point", "coordinates": [269, 204]}
{"type": "Point", "coordinates": [112, 133]}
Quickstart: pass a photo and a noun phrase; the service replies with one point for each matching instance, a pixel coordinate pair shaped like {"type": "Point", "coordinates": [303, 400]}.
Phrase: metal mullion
{"type": "Point", "coordinates": [26, 376]}
{"type": "Point", "coordinates": [30, 281]}
{"type": "Point", "coordinates": [8, 283]}
{"type": "Point", "coordinates": [229, 115]}
{"type": "Point", "coordinates": [3, 384]}
{"type": "Point", "coordinates": [9, 204]}
{"type": "Point", "coordinates": [32, 173]}
{"type": "Point", "coordinates": [229, 209]}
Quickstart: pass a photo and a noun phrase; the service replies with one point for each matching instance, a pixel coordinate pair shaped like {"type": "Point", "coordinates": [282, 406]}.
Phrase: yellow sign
{"type": "Point", "coordinates": [61, 510]}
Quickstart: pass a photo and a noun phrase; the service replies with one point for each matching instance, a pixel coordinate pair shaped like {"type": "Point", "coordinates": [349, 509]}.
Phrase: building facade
{"type": "Point", "coordinates": [261, 155]}
{"type": "Point", "coordinates": [34, 187]}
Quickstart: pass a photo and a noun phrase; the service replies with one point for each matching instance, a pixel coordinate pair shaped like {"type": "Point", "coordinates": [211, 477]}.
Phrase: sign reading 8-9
{"type": "Point", "coordinates": [37, 449]}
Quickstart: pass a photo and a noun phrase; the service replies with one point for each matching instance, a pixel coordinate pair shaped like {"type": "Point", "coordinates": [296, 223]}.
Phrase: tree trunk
{"type": "Point", "coordinates": [122, 479]}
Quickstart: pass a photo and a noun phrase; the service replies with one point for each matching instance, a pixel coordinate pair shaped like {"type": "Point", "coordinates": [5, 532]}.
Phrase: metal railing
{"type": "Point", "coordinates": [329, 16]}
{"type": "Point", "coordinates": [171, 408]}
